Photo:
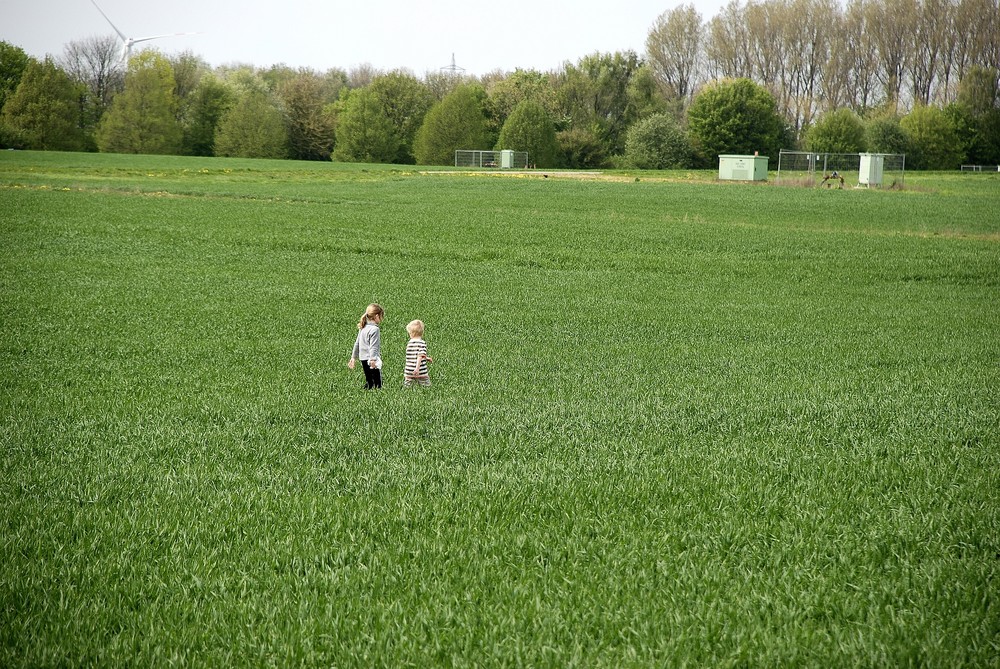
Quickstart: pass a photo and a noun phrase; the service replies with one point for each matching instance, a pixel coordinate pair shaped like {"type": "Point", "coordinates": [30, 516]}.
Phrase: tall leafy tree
{"type": "Point", "coordinates": [976, 31]}
{"type": "Point", "coordinates": [870, 55]}
{"type": "Point", "coordinates": [311, 133]}
{"type": "Point", "coordinates": [13, 62]}
{"type": "Point", "coordinates": [645, 96]}
{"type": "Point", "coordinates": [985, 148]}
{"type": "Point", "coordinates": [243, 79]}
{"type": "Point", "coordinates": [142, 118]}
{"type": "Point", "coordinates": [594, 95]}
{"type": "Point", "coordinates": [404, 101]}
{"type": "Point", "coordinates": [42, 112]}
{"type": "Point", "coordinates": [979, 89]}
{"type": "Point", "coordinates": [530, 128]}
{"type": "Point", "coordinates": [734, 117]}
{"type": "Point", "coordinates": [361, 75]}
{"type": "Point", "coordinates": [188, 69]}
{"type": "Point", "coordinates": [457, 122]}
{"type": "Point", "coordinates": [933, 19]}
{"type": "Point", "coordinates": [976, 115]}
{"type": "Point", "coordinates": [808, 29]}
{"type": "Point", "coordinates": [859, 45]}
{"type": "Point", "coordinates": [768, 51]}
{"type": "Point", "coordinates": [278, 75]}
{"type": "Point", "coordinates": [204, 111]}
{"type": "Point", "coordinates": [364, 133]}
{"type": "Point", "coordinates": [252, 127]}
{"type": "Point", "coordinates": [835, 74]}
{"type": "Point", "coordinates": [198, 108]}
{"type": "Point", "coordinates": [442, 82]}
{"type": "Point", "coordinates": [507, 91]}
{"type": "Point", "coordinates": [334, 81]}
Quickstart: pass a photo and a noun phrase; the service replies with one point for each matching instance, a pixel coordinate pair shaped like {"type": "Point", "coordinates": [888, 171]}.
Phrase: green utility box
{"type": "Point", "coordinates": [743, 168]}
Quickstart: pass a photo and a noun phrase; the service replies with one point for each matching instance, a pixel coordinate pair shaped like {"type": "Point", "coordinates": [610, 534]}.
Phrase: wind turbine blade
{"type": "Point", "coordinates": [120, 33]}
{"type": "Point", "coordinates": [146, 39]}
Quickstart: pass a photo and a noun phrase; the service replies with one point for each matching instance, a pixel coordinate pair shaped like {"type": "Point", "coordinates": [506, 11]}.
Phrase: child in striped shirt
{"type": "Point", "coordinates": [416, 357]}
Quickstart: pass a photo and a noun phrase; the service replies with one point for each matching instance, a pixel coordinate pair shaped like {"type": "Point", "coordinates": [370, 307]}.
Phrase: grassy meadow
{"type": "Point", "coordinates": [673, 422]}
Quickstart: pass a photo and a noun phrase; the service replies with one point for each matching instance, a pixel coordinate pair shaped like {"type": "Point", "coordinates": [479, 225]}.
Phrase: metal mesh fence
{"type": "Point", "coordinates": [841, 170]}
{"type": "Point", "coordinates": [491, 159]}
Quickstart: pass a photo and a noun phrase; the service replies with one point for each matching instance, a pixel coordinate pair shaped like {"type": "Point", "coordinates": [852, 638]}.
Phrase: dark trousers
{"type": "Point", "coordinates": [373, 377]}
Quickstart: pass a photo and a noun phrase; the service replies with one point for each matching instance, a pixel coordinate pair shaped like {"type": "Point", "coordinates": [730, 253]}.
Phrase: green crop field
{"type": "Point", "coordinates": [673, 422]}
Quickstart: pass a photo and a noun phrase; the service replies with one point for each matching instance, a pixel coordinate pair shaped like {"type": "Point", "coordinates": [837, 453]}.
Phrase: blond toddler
{"type": "Point", "coordinates": [416, 357]}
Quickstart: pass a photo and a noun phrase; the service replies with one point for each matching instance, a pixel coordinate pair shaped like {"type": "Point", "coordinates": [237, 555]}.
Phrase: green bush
{"type": "Point", "coordinates": [580, 148]}
{"type": "Point", "coordinates": [657, 143]}
{"type": "Point", "coordinates": [934, 140]}
{"type": "Point", "coordinates": [530, 128]}
{"type": "Point", "coordinates": [734, 116]}
{"type": "Point", "coordinates": [365, 134]}
{"type": "Point", "coordinates": [252, 128]}
{"type": "Point", "coordinates": [886, 135]}
{"type": "Point", "coordinates": [838, 131]}
{"type": "Point", "coordinates": [42, 112]}
{"type": "Point", "coordinates": [457, 122]}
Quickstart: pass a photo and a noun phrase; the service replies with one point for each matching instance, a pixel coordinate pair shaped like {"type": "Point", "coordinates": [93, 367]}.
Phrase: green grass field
{"type": "Point", "coordinates": [673, 422]}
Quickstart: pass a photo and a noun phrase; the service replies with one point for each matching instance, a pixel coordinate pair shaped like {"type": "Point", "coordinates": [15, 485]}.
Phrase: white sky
{"type": "Point", "coordinates": [419, 35]}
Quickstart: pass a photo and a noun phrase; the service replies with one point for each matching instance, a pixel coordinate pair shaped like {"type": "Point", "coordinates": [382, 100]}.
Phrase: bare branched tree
{"type": "Point", "coordinates": [729, 44]}
{"type": "Point", "coordinates": [95, 63]}
{"type": "Point", "coordinates": [675, 48]}
{"type": "Point", "coordinates": [933, 22]}
{"type": "Point", "coordinates": [892, 27]}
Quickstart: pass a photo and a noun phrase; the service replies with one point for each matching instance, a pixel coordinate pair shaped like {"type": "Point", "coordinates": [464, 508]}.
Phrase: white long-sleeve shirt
{"type": "Point", "coordinates": [368, 345]}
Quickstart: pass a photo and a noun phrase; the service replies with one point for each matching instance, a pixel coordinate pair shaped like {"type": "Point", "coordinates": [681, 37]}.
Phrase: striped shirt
{"type": "Point", "coordinates": [416, 363]}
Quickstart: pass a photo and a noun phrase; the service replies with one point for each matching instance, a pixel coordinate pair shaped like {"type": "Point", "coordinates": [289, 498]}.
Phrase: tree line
{"type": "Point", "coordinates": [918, 77]}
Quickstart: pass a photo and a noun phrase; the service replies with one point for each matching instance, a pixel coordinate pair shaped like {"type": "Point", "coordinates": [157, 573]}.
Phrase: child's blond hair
{"type": "Point", "coordinates": [415, 328]}
{"type": "Point", "coordinates": [371, 312]}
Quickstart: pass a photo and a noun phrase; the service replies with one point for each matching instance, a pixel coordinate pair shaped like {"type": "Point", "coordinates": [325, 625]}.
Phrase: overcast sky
{"type": "Point", "coordinates": [320, 34]}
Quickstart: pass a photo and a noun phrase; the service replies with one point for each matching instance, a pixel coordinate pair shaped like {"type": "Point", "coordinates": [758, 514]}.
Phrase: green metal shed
{"type": "Point", "coordinates": [743, 168]}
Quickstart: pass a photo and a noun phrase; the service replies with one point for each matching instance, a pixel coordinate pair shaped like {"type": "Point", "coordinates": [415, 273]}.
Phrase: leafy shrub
{"type": "Point", "coordinates": [530, 128]}
{"type": "Point", "coordinates": [457, 122]}
{"type": "Point", "coordinates": [657, 143]}
{"type": "Point", "coordinates": [734, 116]}
{"type": "Point", "coordinates": [886, 135]}
{"type": "Point", "coordinates": [42, 112]}
{"type": "Point", "coordinates": [934, 141]}
{"type": "Point", "coordinates": [252, 128]}
{"type": "Point", "coordinates": [838, 131]}
{"type": "Point", "coordinates": [580, 148]}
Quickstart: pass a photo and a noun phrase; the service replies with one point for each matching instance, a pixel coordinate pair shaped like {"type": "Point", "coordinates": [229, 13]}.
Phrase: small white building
{"type": "Point", "coordinates": [870, 173]}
